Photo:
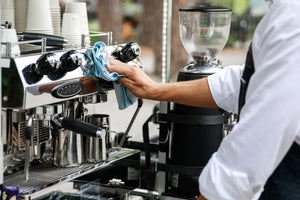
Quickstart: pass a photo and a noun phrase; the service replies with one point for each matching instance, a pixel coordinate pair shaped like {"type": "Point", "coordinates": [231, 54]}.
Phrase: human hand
{"type": "Point", "coordinates": [136, 80]}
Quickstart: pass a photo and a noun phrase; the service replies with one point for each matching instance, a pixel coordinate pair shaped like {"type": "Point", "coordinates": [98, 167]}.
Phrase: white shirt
{"type": "Point", "coordinates": [270, 119]}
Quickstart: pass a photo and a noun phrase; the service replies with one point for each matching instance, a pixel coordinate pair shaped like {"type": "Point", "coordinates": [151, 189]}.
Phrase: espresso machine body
{"type": "Point", "coordinates": [42, 93]}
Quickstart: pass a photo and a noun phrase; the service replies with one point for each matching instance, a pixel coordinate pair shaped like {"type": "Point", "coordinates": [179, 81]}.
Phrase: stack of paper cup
{"type": "Point", "coordinates": [9, 36]}
{"type": "Point", "coordinates": [55, 15]}
{"type": "Point", "coordinates": [71, 29]}
{"type": "Point", "coordinates": [21, 15]}
{"type": "Point", "coordinates": [39, 17]}
{"type": "Point", "coordinates": [8, 12]}
{"type": "Point", "coordinates": [80, 9]}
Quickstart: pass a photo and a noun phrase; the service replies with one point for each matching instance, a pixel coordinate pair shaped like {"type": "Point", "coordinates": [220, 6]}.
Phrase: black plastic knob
{"type": "Point", "coordinates": [46, 64]}
{"type": "Point", "coordinates": [69, 61]}
{"type": "Point", "coordinates": [30, 74]}
{"type": "Point", "coordinates": [57, 74]}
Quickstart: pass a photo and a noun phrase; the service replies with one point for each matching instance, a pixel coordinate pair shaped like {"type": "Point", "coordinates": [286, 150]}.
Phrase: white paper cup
{"type": "Point", "coordinates": [7, 12]}
{"type": "Point", "coordinates": [39, 15]}
{"type": "Point", "coordinates": [54, 3]}
{"type": "Point", "coordinates": [56, 20]}
{"type": "Point", "coordinates": [70, 24]}
{"type": "Point", "coordinates": [21, 15]}
{"type": "Point", "coordinates": [80, 9]}
{"type": "Point", "coordinates": [9, 35]}
{"type": "Point", "coordinates": [7, 3]}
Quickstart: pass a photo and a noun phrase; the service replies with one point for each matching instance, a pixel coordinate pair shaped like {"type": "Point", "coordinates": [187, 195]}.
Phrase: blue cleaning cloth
{"type": "Point", "coordinates": [124, 96]}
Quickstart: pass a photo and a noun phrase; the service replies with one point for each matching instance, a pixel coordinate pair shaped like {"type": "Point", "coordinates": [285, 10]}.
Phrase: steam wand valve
{"type": "Point", "coordinates": [28, 135]}
{"type": "Point", "coordinates": [140, 104]}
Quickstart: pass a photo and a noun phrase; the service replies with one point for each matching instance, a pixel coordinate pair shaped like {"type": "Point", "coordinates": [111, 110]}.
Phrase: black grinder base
{"type": "Point", "coordinates": [193, 143]}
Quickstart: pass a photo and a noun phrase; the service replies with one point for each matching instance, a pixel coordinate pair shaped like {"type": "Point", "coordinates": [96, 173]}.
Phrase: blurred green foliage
{"type": "Point", "coordinates": [242, 22]}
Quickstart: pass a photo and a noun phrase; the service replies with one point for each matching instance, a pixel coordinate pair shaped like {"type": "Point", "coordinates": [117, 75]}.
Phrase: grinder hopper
{"type": "Point", "coordinates": [204, 31]}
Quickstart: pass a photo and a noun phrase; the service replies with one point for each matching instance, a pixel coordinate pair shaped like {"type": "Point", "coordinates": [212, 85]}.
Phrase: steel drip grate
{"type": "Point", "coordinates": [43, 176]}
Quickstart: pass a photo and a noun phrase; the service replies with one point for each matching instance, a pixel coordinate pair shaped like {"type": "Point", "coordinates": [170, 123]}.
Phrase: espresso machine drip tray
{"type": "Point", "coordinates": [45, 176]}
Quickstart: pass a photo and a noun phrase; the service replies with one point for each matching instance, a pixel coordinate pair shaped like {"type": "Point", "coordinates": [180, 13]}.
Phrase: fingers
{"type": "Point", "coordinates": [120, 67]}
{"type": "Point", "coordinates": [115, 65]}
{"type": "Point", "coordinates": [125, 81]}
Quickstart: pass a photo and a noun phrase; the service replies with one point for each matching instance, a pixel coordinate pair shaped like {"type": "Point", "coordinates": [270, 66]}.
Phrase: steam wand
{"type": "Point", "coordinates": [28, 135]}
{"type": "Point", "coordinates": [140, 104]}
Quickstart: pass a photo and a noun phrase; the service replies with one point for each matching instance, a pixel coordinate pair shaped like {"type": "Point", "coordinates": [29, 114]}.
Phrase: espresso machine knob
{"type": "Point", "coordinates": [69, 61]}
{"type": "Point", "coordinates": [46, 64]}
{"type": "Point", "coordinates": [30, 74]}
{"type": "Point", "coordinates": [128, 53]}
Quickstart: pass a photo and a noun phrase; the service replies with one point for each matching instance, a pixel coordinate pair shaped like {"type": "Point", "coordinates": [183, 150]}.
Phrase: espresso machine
{"type": "Point", "coordinates": [48, 135]}
{"type": "Point", "coordinates": [195, 133]}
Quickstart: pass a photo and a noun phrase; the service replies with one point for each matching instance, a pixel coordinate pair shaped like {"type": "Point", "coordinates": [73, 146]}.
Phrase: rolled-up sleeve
{"type": "Point", "coordinates": [224, 87]}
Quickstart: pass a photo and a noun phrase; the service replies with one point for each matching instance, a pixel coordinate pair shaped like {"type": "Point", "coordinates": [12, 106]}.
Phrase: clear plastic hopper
{"type": "Point", "coordinates": [204, 31]}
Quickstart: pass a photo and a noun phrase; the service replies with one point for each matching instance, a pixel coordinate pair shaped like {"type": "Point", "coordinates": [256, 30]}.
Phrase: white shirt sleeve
{"type": "Point", "coordinates": [269, 120]}
{"type": "Point", "coordinates": [225, 87]}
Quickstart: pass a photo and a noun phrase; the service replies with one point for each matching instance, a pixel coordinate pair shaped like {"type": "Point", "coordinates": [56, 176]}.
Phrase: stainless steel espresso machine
{"type": "Point", "coordinates": [48, 135]}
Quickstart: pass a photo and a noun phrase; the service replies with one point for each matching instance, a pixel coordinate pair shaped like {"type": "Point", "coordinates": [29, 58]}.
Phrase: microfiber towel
{"type": "Point", "coordinates": [124, 96]}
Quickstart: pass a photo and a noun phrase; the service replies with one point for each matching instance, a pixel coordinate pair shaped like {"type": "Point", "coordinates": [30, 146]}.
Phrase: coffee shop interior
{"type": "Point", "coordinates": [64, 139]}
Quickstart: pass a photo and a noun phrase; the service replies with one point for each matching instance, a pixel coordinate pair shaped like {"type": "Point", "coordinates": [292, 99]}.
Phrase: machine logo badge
{"type": "Point", "coordinates": [67, 89]}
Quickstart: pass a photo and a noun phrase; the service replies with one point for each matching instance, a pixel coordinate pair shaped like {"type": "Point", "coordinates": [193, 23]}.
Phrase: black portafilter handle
{"type": "Point", "coordinates": [80, 127]}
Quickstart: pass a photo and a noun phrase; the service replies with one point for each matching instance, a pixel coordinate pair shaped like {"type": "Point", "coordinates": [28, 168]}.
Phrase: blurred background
{"type": "Point", "coordinates": [141, 21]}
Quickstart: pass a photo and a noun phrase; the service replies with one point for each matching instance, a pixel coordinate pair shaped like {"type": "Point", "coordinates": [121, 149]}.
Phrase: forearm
{"type": "Point", "coordinates": [193, 93]}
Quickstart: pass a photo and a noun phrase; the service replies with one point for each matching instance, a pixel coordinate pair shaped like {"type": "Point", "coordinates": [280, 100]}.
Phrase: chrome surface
{"type": "Point", "coordinates": [102, 142]}
{"type": "Point", "coordinates": [201, 69]}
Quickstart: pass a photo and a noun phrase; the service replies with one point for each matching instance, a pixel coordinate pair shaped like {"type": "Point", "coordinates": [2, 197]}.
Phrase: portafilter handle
{"type": "Point", "coordinates": [81, 127]}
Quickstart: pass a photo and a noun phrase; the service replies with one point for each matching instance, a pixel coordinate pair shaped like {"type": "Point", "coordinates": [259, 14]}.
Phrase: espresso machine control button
{"type": "Point", "coordinates": [30, 75]}
{"type": "Point", "coordinates": [47, 63]}
{"type": "Point", "coordinates": [57, 74]}
{"type": "Point", "coordinates": [69, 61]}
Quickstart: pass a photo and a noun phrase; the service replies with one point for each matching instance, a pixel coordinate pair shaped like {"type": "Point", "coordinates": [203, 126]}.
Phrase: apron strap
{"type": "Point", "coordinates": [248, 72]}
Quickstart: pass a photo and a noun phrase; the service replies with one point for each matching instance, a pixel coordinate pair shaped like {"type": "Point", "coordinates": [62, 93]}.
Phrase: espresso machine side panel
{"type": "Point", "coordinates": [12, 87]}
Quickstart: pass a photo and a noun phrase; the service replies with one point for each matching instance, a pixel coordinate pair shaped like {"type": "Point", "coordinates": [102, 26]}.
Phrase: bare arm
{"type": "Point", "coordinates": [194, 93]}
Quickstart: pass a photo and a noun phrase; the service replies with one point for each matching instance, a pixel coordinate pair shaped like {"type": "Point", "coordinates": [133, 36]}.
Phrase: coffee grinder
{"type": "Point", "coordinates": [197, 132]}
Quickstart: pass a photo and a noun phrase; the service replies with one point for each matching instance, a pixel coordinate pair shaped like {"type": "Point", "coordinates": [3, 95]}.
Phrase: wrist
{"type": "Point", "coordinates": [160, 92]}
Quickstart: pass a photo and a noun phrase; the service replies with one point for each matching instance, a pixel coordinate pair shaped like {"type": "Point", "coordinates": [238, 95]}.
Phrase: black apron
{"type": "Point", "coordinates": [284, 183]}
